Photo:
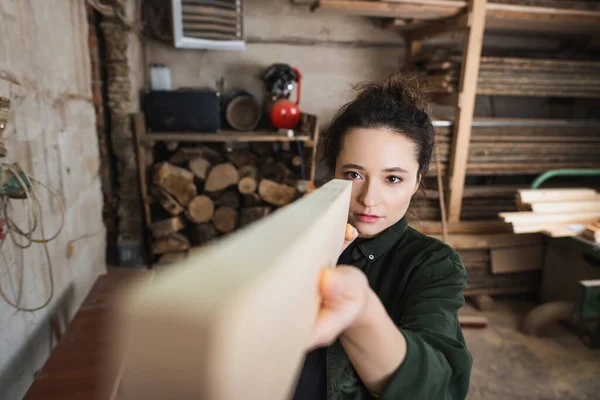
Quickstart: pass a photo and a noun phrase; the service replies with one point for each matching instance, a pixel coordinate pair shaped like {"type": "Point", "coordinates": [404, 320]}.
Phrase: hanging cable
{"type": "Point", "coordinates": [22, 238]}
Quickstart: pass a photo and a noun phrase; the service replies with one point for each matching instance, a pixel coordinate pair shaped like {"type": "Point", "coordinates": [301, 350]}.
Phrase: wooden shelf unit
{"type": "Point", "coordinates": [222, 137]}
{"type": "Point", "coordinates": [499, 16]}
{"type": "Point", "coordinates": [421, 20]}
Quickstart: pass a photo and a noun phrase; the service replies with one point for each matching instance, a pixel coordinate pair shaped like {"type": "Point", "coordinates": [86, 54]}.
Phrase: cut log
{"type": "Point", "coordinates": [249, 215]}
{"type": "Point", "coordinates": [251, 200]}
{"type": "Point", "coordinates": [200, 210]}
{"type": "Point", "coordinates": [199, 166]}
{"type": "Point", "coordinates": [169, 258]}
{"type": "Point", "coordinates": [202, 233]}
{"type": "Point", "coordinates": [166, 227]}
{"type": "Point", "coordinates": [275, 193]}
{"type": "Point", "coordinates": [242, 157]}
{"type": "Point", "coordinates": [220, 177]}
{"type": "Point", "coordinates": [225, 219]}
{"type": "Point", "coordinates": [263, 149]}
{"type": "Point", "coordinates": [229, 198]}
{"type": "Point", "coordinates": [185, 154]}
{"type": "Point", "coordinates": [248, 179]}
{"type": "Point", "coordinates": [167, 201]}
{"type": "Point", "coordinates": [171, 244]}
{"type": "Point", "coordinates": [276, 171]}
{"type": "Point", "coordinates": [177, 181]}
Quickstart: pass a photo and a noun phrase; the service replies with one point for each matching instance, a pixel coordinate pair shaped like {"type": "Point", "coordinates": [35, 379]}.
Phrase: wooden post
{"type": "Point", "coordinates": [206, 326]}
{"type": "Point", "coordinates": [466, 106]}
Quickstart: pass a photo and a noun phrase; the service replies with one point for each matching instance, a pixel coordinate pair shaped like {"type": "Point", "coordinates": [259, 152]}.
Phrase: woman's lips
{"type": "Point", "coordinates": [368, 218]}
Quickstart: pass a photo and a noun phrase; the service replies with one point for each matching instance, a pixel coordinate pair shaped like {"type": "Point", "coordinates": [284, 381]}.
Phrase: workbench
{"type": "Point", "coordinates": [77, 367]}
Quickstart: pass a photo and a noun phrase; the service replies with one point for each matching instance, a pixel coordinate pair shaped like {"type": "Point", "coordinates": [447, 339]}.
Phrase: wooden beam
{"type": "Point", "coordinates": [464, 227]}
{"type": "Point", "coordinates": [490, 241]}
{"type": "Point", "coordinates": [212, 327]}
{"type": "Point", "coordinates": [466, 107]}
{"type": "Point", "coordinates": [387, 9]}
{"type": "Point", "coordinates": [448, 25]}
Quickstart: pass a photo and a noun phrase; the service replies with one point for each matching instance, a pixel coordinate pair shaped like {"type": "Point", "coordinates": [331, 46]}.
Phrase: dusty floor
{"type": "Point", "coordinates": [510, 365]}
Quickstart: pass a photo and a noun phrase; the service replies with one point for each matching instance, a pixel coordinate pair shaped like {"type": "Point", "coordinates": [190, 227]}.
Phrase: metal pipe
{"type": "Point", "coordinates": [563, 172]}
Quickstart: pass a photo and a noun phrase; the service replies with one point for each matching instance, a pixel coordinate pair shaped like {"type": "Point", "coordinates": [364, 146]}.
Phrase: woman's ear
{"type": "Point", "coordinates": [417, 184]}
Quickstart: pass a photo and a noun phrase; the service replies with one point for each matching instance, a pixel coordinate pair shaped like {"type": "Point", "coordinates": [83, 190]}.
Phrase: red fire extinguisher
{"type": "Point", "coordinates": [285, 114]}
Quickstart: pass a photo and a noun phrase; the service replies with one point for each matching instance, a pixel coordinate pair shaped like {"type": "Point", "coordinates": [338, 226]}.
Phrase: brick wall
{"type": "Point", "coordinates": [106, 171]}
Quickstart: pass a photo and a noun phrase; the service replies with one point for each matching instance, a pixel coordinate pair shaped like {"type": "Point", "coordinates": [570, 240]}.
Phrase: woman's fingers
{"type": "Point", "coordinates": [349, 236]}
{"type": "Point", "coordinates": [343, 290]}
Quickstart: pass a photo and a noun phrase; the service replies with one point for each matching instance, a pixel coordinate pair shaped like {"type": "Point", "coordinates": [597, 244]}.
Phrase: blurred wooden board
{"type": "Point", "coordinates": [235, 317]}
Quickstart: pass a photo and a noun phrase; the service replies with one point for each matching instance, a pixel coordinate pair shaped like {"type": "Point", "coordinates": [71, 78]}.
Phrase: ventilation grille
{"type": "Point", "coordinates": [209, 24]}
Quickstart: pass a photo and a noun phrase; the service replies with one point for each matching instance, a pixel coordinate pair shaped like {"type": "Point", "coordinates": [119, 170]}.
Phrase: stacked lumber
{"type": "Point", "coordinates": [200, 194]}
{"type": "Point", "coordinates": [522, 146]}
{"type": "Point", "coordinates": [514, 76]}
{"type": "Point", "coordinates": [557, 212]}
{"type": "Point", "coordinates": [479, 203]}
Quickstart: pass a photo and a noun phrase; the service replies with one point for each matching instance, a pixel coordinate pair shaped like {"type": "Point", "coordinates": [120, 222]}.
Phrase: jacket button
{"type": "Point", "coordinates": [371, 257]}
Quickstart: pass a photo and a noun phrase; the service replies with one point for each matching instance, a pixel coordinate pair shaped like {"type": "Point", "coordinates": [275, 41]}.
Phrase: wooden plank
{"type": "Point", "coordinates": [463, 227]}
{"type": "Point", "coordinates": [387, 9]}
{"type": "Point", "coordinates": [144, 166]}
{"type": "Point", "coordinates": [491, 291]}
{"type": "Point", "coordinates": [517, 259]}
{"type": "Point", "coordinates": [553, 195]}
{"type": "Point", "coordinates": [490, 241]}
{"type": "Point", "coordinates": [436, 28]}
{"type": "Point", "coordinates": [228, 306]}
{"type": "Point", "coordinates": [222, 136]}
{"type": "Point", "coordinates": [563, 207]}
{"type": "Point", "coordinates": [557, 229]}
{"type": "Point", "coordinates": [466, 107]}
{"type": "Point", "coordinates": [528, 217]}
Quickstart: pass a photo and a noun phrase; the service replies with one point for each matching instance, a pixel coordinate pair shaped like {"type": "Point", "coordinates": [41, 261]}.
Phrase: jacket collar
{"type": "Point", "coordinates": [373, 248]}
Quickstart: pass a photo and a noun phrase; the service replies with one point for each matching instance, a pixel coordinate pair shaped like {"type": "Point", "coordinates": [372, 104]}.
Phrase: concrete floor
{"type": "Point", "coordinates": [510, 365]}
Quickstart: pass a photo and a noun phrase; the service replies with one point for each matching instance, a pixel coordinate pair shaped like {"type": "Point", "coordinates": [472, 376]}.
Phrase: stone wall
{"type": "Point", "coordinates": [45, 70]}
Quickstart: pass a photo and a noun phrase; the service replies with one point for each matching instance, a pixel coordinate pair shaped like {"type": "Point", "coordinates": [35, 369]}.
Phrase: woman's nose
{"type": "Point", "coordinates": [369, 196]}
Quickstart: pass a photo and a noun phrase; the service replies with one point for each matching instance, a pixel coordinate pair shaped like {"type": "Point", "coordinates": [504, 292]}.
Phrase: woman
{"type": "Point", "coordinates": [388, 326]}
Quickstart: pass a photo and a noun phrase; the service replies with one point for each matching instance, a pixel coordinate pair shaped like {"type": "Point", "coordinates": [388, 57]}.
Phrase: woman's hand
{"type": "Point", "coordinates": [345, 293]}
{"type": "Point", "coordinates": [349, 236]}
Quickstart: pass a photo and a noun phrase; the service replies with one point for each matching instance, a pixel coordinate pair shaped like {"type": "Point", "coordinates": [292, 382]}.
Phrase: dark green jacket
{"type": "Point", "coordinates": [419, 281]}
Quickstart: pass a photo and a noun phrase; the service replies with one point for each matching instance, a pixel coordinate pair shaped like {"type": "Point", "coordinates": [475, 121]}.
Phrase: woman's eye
{"type": "Point", "coordinates": [352, 175]}
{"type": "Point", "coordinates": [393, 179]}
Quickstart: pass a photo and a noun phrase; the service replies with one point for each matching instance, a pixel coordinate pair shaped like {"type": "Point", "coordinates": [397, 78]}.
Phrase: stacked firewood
{"type": "Point", "coordinates": [204, 194]}
{"type": "Point", "coordinates": [513, 75]}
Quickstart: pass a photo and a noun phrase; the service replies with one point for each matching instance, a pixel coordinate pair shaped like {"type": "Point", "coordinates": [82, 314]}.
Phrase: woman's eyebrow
{"type": "Point", "coordinates": [353, 166]}
{"type": "Point", "coordinates": [396, 169]}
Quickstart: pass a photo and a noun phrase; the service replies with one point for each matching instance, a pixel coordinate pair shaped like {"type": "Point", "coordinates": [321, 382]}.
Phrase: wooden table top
{"type": "Point", "coordinates": [78, 369]}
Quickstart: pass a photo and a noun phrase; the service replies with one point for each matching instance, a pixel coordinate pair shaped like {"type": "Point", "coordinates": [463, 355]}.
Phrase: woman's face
{"type": "Point", "coordinates": [382, 166]}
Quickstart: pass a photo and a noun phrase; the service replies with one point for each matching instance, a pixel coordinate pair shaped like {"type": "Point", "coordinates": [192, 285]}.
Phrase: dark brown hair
{"type": "Point", "coordinates": [396, 104]}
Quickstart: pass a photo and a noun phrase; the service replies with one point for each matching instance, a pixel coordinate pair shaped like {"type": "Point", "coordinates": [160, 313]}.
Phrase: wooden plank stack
{"type": "Point", "coordinates": [200, 193]}
{"type": "Point", "coordinates": [557, 212]}
{"type": "Point", "coordinates": [514, 76]}
{"type": "Point", "coordinates": [504, 146]}
{"type": "Point", "coordinates": [479, 203]}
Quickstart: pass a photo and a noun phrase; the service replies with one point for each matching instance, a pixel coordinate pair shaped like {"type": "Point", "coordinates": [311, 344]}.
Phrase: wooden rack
{"type": "Point", "coordinates": [421, 20]}
{"type": "Point", "coordinates": [307, 133]}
